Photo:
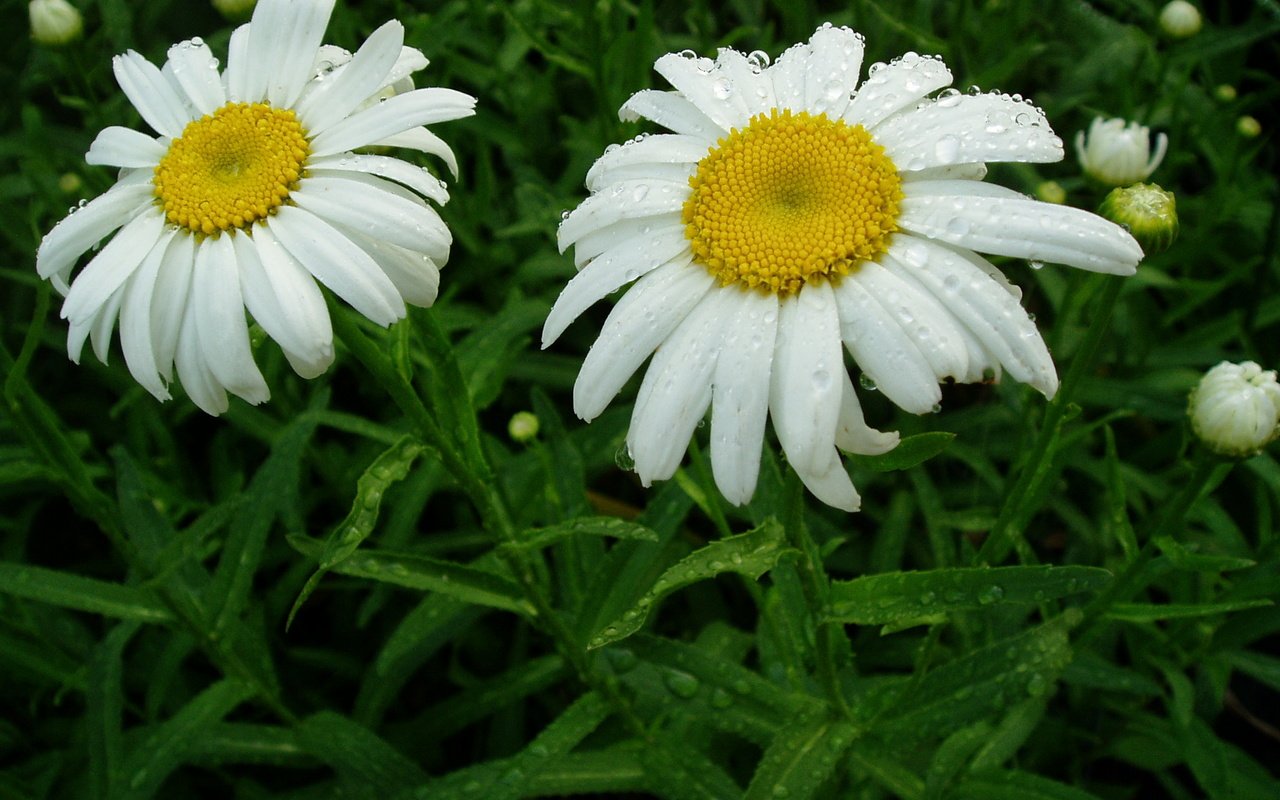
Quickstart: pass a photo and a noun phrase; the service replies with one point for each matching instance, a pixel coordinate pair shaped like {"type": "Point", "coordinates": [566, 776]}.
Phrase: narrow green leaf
{"type": "Point", "coordinates": [897, 596]}
{"type": "Point", "coordinates": [1010, 735]}
{"type": "Point", "coordinates": [802, 756]}
{"type": "Point", "coordinates": [1091, 671]}
{"type": "Point", "coordinates": [1186, 558]}
{"type": "Point", "coordinates": [388, 468]}
{"type": "Point", "coordinates": [595, 774]}
{"type": "Point", "coordinates": [1260, 667]}
{"type": "Point", "coordinates": [468, 583]}
{"type": "Point", "coordinates": [104, 709]}
{"type": "Point", "coordinates": [684, 773]}
{"type": "Point", "coordinates": [873, 758]}
{"type": "Point", "coordinates": [451, 399]}
{"type": "Point", "coordinates": [362, 759]}
{"type": "Point", "coordinates": [1117, 504]}
{"type": "Point", "coordinates": [910, 452]}
{"type": "Point", "coordinates": [951, 757]}
{"type": "Point", "coordinates": [170, 744]}
{"type": "Point", "coordinates": [474, 703]}
{"type": "Point", "coordinates": [584, 526]}
{"type": "Point", "coordinates": [1224, 771]}
{"type": "Point", "coordinates": [752, 554]}
{"type": "Point", "coordinates": [246, 743]}
{"type": "Point", "coordinates": [1014, 785]}
{"type": "Point", "coordinates": [83, 594]}
{"type": "Point", "coordinates": [1151, 612]}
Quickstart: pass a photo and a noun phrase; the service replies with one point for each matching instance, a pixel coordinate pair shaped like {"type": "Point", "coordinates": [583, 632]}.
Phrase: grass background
{"type": "Point", "coordinates": [150, 555]}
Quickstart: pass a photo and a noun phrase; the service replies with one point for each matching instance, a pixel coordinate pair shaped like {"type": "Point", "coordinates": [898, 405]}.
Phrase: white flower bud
{"type": "Point", "coordinates": [1180, 19]}
{"type": "Point", "coordinates": [1235, 409]}
{"type": "Point", "coordinates": [1118, 154]}
{"type": "Point", "coordinates": [54, 22]}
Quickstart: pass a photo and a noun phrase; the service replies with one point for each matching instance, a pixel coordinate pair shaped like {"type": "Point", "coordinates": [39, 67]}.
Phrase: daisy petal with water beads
{"type": "Point", "coordinates": [250, 194]}
{"type": "Point", "coordinates": [789, 211]}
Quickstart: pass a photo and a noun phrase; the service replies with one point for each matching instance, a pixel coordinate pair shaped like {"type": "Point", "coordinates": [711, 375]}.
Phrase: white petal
{"type": "Point", "coordinates": [243, 83]}
{"type": "Point", "coordinates": [124, 147]}
{"type": "Point", "coordinates": [964, 172]}
{"type": "Point", "coordinates": [788, 76]}
{"type": "Point", "coordinates": [852, 432]}
{"type": "Point", "coordinates": [408, 62]}
{"type": "Point", "coordinates": [349, 201]}
{"type": "Point", "coordinates": [416, 178]}
{"type": "Point", "coordinates": [672, 111]}
{"type": "Point", "coordinates": [394, 115]}
{"type": "Point", "coordinates": [602, 239]}
{"type": "Point", "coordinates": [804, 392]}
{"type": "Point", "coordinates": [1018, 227]}
{"type": "Point", "coordinates": [753, 85]}
{"type": "Point", "coordinates": [153, 96]}
{"type": "Point", "coordinates": [425, 141]}
{"type": "Point", "coordinates": [338, 263]}
{"type": "Point", "coordinates": [284, 37]}
{"type": "Point", "coordinates": [112, 266]}
{"type": "Point", "coordinates": [936, 334]}
{"type": "Point", "coordinates": [832, 73]}
{"type": "Point", "coordinates": [79, 231]}
{"type": "Point", "coordinates": [964, 129]}
{"type": "Point", "coordinates": [416, 276]}
{"type": "Point", "coordinates": [676, 389]}
{"type": "Point", "coordinates": [135, 320]}
{"type": "Point", "coordinates": [702, 84]}
{"type": "Point", "coordinates": [284, 299]}
{"type": "Point", "coordinates": [337, 95]}
{"type": "Point", "coordinates": [891, 87]}
{"type": "Point", "coordinates": [740, 394]}
{"type": "Point", "coordinates": [199, 381]}
{"type": "Point", "coordinates": [220, 320]}
{"type": "Point", "coordinates": [103, 323]}
{"type": "Point", "coordinates": [626, 200]}
{"type": "Point", "coordinates": [665, 156]}
{"type": "Point", "coordinates": [196, 70]}
{"type": "Point", "coordinates": [958, 279]}
{"type": "Point", "coordinates": [883, 350]}
{"type": "Point", "coordinates": [831, 484]}
{"type": "Point", "coordinates": [169, 301]}
{"type": "Point", "coordinates": [610, 270]}
{"type": "Point", "coordinates": [640, 321]}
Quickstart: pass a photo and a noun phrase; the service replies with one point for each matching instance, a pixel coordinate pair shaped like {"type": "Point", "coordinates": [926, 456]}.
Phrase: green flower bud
{"type": "Point", "coordinates": [523, 427]}
{"type": "Point", "coordinates": [1235, 409]}
{"type": "Point", "coordinates": [1051, 192]}
{"type": "Point", "coordinates": [235, 9]}
{"type": "Point", "coordinates": [1148, 212]}
{"type": "Point", "coordinates": [1225, 92]}
{"type": "Point", "coordinates": [1248, 127]}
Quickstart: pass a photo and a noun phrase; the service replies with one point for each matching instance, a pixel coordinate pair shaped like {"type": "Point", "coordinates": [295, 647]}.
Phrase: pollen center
{"type": "Point", "coordinates": [231, 168]}
{"type": "Point", "coordinates": [791, 198]}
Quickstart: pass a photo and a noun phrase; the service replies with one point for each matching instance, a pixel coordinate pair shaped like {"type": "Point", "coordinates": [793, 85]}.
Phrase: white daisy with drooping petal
{"type": "Point", "coordinates": [791, 211]}
{"type": "Point", "coordinates": [250, 194]}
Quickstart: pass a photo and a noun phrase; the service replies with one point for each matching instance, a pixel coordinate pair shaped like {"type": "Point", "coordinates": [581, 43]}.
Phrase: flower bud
{"type": "Point", "coordinates": [523, 426]}
{"type": "Point", "coordinates": [54, 22]}
{"type": "Point", "coordinates": [235, 9]}
{"type": "Point", "coordinates": [1180, 19]}
{"type": "Point", "coordinates": [1147, 211]}
{"type": "Point", "coordinates": [1118, 154]}
{"type": "Point", "coordinates": [1225, 92]}
{"type": "Point", "coordinates": [1235, 409]}
{"type": "Point", "coordinates": [1051, 192]}
{"type": "Point", "coordinates": [70, 183]}
{"type": "Point", "coordinates": [1248, 127]}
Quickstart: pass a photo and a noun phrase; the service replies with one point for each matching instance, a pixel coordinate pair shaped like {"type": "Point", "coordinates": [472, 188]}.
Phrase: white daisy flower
{"type": "Point", "coordinates": [249, 195]}
{"type": "Point", "coordinates": [1117, 153]}
{"type": "Point", "coordinates": [790, 211]}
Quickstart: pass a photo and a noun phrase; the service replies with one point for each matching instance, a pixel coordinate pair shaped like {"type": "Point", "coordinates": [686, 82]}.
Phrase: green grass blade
{"type": "Point", "coordinates": [803, 755]}
{"type": "Point", "coordinates": [83, 594]}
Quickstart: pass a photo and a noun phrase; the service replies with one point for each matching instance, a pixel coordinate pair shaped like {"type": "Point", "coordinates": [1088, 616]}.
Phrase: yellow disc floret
{"type": "Point", "coordinates": [791, 198]}
{"type": "Point", "coordinates": [231, 168]}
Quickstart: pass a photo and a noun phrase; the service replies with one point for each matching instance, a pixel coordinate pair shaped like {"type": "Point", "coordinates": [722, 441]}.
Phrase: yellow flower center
{"type": "Point", "coordinates": [791, 198]}
{"type": "Point", "coordinates": [231, 168]}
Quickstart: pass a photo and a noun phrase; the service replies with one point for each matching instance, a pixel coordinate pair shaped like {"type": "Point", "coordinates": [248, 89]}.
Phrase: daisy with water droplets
{"type": "Point", "coordinates": [250, 194]}
{"type": "Point", "coordinates": [789, 212]}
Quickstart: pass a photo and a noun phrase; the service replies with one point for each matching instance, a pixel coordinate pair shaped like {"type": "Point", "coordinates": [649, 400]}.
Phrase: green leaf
{"type": "Point", "coordinates": [1151, 612]}
{"type": "Point", "coordinates": [1091, 671]}
{"type": "Point", "coordinates": [951, 757]}
{"type": "Point", "coordinates": [246, 743]}
{"type": "Point", "coordinates": [1263, 668]}
{"type": "Point", "coordinates": [684, 773]}
{"type": "Point", "coordinates": [752, 554]}
{"type": "Point", "coordinates": [1186, 558]}
{"type": "Point", "coordinates": [83, 594]}
{"type": "Point", "coordinates": [873, 758]}
{"type": "Point", "coordinates": [584, 526]}
{"type": "Point", "coordinates": [104, 712]}
{"type": "Point", "coordinates": [468, 583]}
{"type": "Point", "coordinates": [389, 467]}
{"type": "Point", "coordinates": [170, 744]}
{"type": "Point", "coordinates": [802, 756]}
{"type": "Point", "coordinates": [910, 452]}
{"type": "Point", "coordinates": [897, 596]}
{"type": "Point", "coordinates": [474, 703]}
{"type": "Point", "coordinates": [1015, 785]}
{"type": "Point", "coordinates": [363, 760]}
{"type": "Point", "coordinates": [450, 397]}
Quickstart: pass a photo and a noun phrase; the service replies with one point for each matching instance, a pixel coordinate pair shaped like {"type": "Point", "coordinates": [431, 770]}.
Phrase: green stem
{"type": "Point", "coordinates": [1022, 500]}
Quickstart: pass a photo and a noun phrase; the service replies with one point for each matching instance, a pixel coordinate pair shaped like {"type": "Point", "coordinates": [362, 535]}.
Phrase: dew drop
{"type": "Point", "coordinates": [681, 684]}
{"type": "Point", "coordinates": [758, 60]}
{"type": "Point", "coordinates": [947, 149]}
{"type": "Point", "coordinates": [989, 595]}
{"type": "Point", "coordinates": [623, 457]}
{"type": "Point", "coordinates": [865, 381]}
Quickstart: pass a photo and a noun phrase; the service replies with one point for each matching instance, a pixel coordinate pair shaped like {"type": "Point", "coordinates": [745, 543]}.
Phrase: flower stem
{"type": "Point", "coordinates": [1024, 497]}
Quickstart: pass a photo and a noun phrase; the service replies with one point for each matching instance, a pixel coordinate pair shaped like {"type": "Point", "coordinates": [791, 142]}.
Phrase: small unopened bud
{"type": "Point", "coordinates": [1225, 92]}
{"type": "Point", "coordinates": [235, 9]}
{"type": "Point", "coordinates": [1148, 212]}
{"type": "Point", "coordinates": [1051, 192]}
{"type": "Point", "coordinates": [1235, 409]}
{"type": "Point", "coordinates": [54, 22]}
{"type": "Point", "coordinates": [523, 426]}
{"type": "Point", "coordinates": [1118, 154]}
{"type": "Point", "coordinates": [1180, 19]}
{"type": "Point", "coordinates": [70, 183]}
{"type": "Point", "coordinates": [1248, 127]}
